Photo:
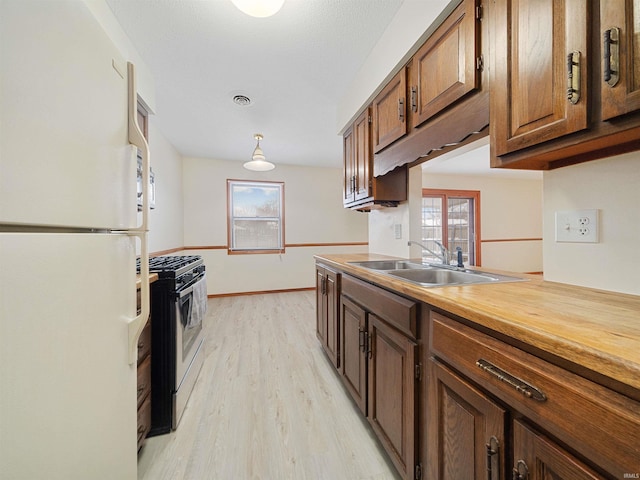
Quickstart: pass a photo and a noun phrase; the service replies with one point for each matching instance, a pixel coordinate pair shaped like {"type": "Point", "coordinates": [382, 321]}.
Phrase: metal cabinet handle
{"type": "Point", "coordinates": [520, 471]}
{"type": "Point", "coordinates": [493, 457]}
{"type": "Point", "coordinates": [573, 77]}
{"type": "Point", "coordinates": [401, 109]}
{"type": "Point", "coordinates": [369, 352]}
{"type": "Point", "coordinates": [414, 99]}
{"type": "Point", "coordinates": [521, 386]}
{"type": "Point", "coordinates": [611, 49]}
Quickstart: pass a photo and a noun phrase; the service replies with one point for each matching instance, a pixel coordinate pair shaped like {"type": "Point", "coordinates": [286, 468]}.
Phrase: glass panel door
{"type": "Point", "coordinates": [432, 227]}
{"type": "Point", "coordinates": [449, 220]}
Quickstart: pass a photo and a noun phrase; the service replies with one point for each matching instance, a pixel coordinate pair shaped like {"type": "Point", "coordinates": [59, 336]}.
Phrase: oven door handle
{"type": "Point", "coordinates": [189, 289]}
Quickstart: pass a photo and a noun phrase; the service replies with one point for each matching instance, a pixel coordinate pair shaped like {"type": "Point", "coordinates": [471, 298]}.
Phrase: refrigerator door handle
{"type": "Point", "coordinates": [137, 138]}
{"type": "Point", "coordinates": [137, 324]}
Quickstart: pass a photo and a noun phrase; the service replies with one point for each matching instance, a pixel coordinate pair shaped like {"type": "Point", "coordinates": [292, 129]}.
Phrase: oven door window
{"type": "Point", "coordinates": [189, 334]}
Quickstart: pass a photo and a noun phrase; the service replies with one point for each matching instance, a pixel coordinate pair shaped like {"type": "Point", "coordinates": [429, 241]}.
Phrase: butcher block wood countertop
{"type": "Point", "coordinates": [152, 278]}
{"type": "Point", "coordinates": [596, 332]}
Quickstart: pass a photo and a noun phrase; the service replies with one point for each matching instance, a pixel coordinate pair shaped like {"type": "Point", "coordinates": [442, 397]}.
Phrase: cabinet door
{"type": "Point", "coordinates": [537, 458]}
{"type": "Point", "coordinates": [621, 68]}
{"type": "Point", "coordinates": [531, 43]}
{"type": "Point", "coordinates": [444, 69]}
{"type": "Point", "coordinates": [348, 187]}
{"type": "Point", "coordinates": [389, 112]}
{"type": "Point", "coordinates": [392, 393]}
{"type": "Point", "coordinates": [465, 429]}
{"type": "Point", "coordinates": [353, 358]}
{"type": "Point", "coordinates": [363, 158]}
{"type": "Point", "coordinates": [331, 298]}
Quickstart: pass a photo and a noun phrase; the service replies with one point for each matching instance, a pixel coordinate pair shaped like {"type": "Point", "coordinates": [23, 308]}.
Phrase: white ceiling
{"type": "Point", "coordinates": [295, 67]}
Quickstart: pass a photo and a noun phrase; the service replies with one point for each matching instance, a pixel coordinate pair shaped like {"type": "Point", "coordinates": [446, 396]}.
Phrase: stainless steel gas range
{"type": "Point", "coordinates": [178, 307]}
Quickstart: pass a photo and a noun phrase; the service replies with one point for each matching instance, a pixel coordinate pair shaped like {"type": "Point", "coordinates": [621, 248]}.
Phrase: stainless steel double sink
{"type": "Point", "coordinates": [433, 275]}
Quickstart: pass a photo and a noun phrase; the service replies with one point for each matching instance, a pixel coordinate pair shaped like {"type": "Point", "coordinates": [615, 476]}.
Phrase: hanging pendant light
{"type": "Point", "coordinates": [259, 8]}
{"type": "Point", "coordinates": [258, 162]}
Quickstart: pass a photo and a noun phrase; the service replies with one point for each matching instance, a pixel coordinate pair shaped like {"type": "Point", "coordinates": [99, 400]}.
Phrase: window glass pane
{"type": "Point", "coordinates": [256, 201]}
{"type": "Point", "coordinates": [256, 234]}
{"type": "Point", "coordinates": [460, 227]}
{"type": "Point", "coordinates": [431, 227]}
{"type": "Point", "coordinates": [255, 215]}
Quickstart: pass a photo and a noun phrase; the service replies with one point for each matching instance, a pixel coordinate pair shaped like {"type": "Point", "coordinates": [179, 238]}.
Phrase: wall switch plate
{"type": "Point", "coordinates": [577, 226]}
{"type": "Point", "coordinates": [398, 230]}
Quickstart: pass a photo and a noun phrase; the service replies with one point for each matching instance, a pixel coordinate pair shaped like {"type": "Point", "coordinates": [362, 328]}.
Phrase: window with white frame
{"type": "Point", "coordinates": [255, 216]}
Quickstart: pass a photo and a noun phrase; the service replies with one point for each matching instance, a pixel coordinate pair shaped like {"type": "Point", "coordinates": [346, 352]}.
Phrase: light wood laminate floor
{"type": "Point", "coordinates": [267, 405]}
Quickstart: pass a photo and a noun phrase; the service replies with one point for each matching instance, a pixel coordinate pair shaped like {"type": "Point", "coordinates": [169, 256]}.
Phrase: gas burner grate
{"type": "Point", "coordinates": [171, 263]}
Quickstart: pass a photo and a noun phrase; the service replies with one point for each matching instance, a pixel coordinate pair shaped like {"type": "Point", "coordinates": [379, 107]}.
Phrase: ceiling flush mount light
{"type": "Point", "coordinates": [258, 162]}
{"type": "Point", "coordinates": [259, 8]}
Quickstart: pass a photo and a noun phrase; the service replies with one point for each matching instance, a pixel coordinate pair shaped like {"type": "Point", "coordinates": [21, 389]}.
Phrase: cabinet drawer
{"type": "Point", "coordinates": [144, 379]}
{"type": "Point", "coordinates": [599, 424]}
{"type": "Point", "coordinates": [144, 342]}
{"type": "Point", "coordinates": [394, 309]}
{"type": "Point", "coordinates": [144, 420]}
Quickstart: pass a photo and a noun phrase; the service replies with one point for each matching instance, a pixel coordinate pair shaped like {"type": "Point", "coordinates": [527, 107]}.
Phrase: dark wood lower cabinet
{"type": "Point", "coordinates": [144, 381]}
{"type": "Point", "coordinates": [354, 353]}
{"type": "Point", "coordinates": [535, 457]}
{"type": "Point", "coordinates": [451, 401]}
{"type": "Point", "coordinates": [466, 429]}
{"type": "Point", "coordinates": [392, 393]}
{"type": "Point", "coordinates": [380, 366]}
{"type": "Point", "coordinates": [327, 312]}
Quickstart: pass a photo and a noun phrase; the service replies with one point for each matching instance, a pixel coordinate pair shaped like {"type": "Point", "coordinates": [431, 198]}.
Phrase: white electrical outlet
{"type": "Point", "coordinates": [398, 230]}
{"type": "Point", "coordinates": [577, 226]}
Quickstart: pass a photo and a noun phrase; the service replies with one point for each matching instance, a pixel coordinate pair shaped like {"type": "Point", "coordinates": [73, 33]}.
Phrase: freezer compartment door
{"type": "Point", "coordinates": [68, 405]}
{"type": "Point", "coordinates": [65, 158]}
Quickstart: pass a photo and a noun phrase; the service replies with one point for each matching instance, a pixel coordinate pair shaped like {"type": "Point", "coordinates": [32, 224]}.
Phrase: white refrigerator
{"type": "Point", "coordinates": [69, 236]}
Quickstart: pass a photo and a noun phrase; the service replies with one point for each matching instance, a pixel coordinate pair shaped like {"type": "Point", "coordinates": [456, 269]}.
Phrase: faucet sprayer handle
{"type": "Point", "coordinates": [460, 264]}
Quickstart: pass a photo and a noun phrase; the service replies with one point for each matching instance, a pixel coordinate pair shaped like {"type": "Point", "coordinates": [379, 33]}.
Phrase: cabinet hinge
{"type": "Point", "coordinates": [369, 119]}
{"type": "Point", "coordinates": [418, 372]}
{"type": "Point", "coordinates": [418, 472]}
{"type": "Point", "coordinates": [479, 12]}
{"type": "Point", "coordinates": [480, 63]}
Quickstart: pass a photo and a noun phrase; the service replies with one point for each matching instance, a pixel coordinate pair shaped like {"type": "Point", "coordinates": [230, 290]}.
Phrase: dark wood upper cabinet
{"type": "Point", "coordinates": [565, 82]}
{"type": "Point", "coordinates": [620, 36]}
{"type": "Point", "coordinates": [348, 186]}
{"type": "Point", "coordinates": [389, 112]}
{"type": "Point", "coordinates": [533, 42]}
{"type": "Point", "coordinates": [446, 66]}
{"type": "Point", "coordinates": [363, 191]}
{"type": "Point", "coordinates": [362, 156]}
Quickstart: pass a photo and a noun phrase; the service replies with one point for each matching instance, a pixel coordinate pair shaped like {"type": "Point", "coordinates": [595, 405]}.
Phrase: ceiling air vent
{"type": "Point", "coordinates": [242, 100]}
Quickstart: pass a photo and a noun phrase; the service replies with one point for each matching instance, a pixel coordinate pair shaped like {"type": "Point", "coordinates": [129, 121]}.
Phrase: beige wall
{"type": "Point", "coordinates": [611, 185]}
{"type": "Point", "coordinates": [511, 209]}
{"type": "Point", "coordinates": [313, 215]}
{"type": "Point", "coordinates": [166, 230]}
